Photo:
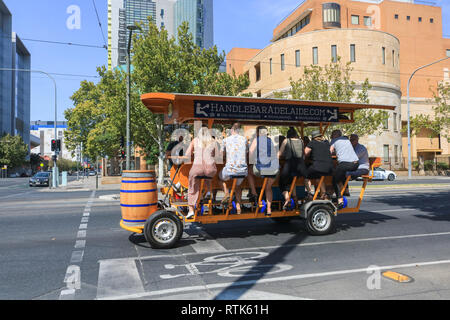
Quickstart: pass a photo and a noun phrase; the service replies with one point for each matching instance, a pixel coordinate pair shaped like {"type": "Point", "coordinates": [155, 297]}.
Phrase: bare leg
{"type": "Point", "coordinates": [269, 195]}
{"type": "Point", "coordinates": [238, 199]}
{"type": "Point", "coordinates": [251, 181]}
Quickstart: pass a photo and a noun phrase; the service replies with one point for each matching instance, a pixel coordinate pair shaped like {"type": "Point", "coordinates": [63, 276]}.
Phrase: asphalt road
{"type": "Point", "coordinates": [68, 245]}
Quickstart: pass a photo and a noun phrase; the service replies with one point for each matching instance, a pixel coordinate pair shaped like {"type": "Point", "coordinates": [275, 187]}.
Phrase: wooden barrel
{"type": "Point", "coordinates": [138, 197]}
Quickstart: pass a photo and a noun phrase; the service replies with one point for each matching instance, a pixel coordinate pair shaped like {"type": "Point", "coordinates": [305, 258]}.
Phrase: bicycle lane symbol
{"type": "Point", "coordinates": [228, 265]}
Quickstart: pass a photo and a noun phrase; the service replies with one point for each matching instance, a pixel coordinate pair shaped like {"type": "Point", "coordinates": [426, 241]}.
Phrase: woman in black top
{"type": "Point", "coordinates": [292, 149]}
{"type": "Point", "coordinates": [322, 163]}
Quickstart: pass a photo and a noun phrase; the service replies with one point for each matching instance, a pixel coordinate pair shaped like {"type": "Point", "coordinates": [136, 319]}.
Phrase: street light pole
{"type": "Point", "coordinates": [409, 125]}
{"type": "Point", "coordinates": [131, 28]}
{"type": "Point", "coordinates": [55, 167]}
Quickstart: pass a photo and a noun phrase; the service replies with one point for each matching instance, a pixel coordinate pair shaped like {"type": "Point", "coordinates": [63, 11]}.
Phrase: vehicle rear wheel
{"type": "Point", "coordinates": [320, 220]}
{"type": "Point", "coordinates": [391, 177]}
{"type": "Point", "coordinates": [163, 229]}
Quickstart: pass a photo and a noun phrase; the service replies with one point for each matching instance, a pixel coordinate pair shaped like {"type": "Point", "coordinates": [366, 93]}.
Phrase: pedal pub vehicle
{"type": "Point", "coordinates": [162, 220]}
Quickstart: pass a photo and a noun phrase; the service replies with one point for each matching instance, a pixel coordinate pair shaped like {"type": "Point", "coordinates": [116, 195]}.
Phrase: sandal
{"type": "Point", "coordinates": [325, 196]}
{"type": "Point", "coordinates": [225, 200]}
{"type": "Point", "coordinates": [286, 205]}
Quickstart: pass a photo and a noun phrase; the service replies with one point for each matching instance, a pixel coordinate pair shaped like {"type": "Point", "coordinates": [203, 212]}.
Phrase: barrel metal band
{"type": "Point", "coordinates": [138, 205]}
{"type": "Point", "coordinates": [141, 181]}
{"type": "Point", "coordinates": [138, 175]}
{"type": "Point", "coordinates": [138, 191]}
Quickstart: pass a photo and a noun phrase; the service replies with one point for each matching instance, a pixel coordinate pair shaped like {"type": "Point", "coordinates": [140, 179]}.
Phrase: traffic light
{"type": "Point", "coordinates": [122, 154]}
{"type": "Point", "coordinates": [58, 145]}
{"type": "Point", "coordinates": [53, 144]}
{"type": "Point", "coordinates": [122, 142]}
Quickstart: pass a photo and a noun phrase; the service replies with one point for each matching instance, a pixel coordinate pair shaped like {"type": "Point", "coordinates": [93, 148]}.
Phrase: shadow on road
{"type": "Point", "coordinates": [435, 205]}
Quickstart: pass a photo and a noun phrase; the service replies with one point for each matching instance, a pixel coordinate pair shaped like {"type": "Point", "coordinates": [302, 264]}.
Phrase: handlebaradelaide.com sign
{"type": "Point", "coordinates": [263, 111]}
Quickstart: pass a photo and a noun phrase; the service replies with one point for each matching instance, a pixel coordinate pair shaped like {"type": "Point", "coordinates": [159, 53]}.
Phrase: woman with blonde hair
{"type": "Point", "coordinates": [203, 146]}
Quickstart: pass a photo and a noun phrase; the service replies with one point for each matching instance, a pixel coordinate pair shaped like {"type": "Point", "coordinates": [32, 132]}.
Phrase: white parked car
{"type": "Point", "coordinates": [383, 174]}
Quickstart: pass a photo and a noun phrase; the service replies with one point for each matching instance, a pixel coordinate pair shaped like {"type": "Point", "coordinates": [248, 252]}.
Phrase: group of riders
{"type": "Point", "coordinates": [260, 157]}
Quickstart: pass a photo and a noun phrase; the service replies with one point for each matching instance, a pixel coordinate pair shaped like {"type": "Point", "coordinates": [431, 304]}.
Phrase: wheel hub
{"type": "Point", "coordinates": [320, 220]}
{"type": "Point", "coordinates": [164, 230]}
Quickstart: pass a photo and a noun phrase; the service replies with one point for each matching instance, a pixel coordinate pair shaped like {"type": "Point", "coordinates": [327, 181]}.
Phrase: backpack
{"type": "Point", "coordinates": [295, 149]}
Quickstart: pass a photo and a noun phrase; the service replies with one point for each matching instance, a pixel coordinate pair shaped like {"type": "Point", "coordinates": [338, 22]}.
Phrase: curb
{"type": "Point", "coordinates": [110, 197]}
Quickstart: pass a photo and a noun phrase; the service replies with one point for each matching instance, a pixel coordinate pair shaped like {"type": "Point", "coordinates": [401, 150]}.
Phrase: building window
{"type": "Point", "coordinates": [355, 19]}
{"type": "Point", "coordinates": [408, 18]}
{"type": "Point", "coordinates": [448, 52]}
{"type": "Point", "coordinates": [383, 55]}
{"type": "Point", "coordinates": [386, 124]}
{"type": "Point", "coordinates": [333, 53]}
{"type": "Point", "coordinates": [396, 153]}
{"type": "Point", "coordinates": [431, 20]}
{"type": "Point", "coordinates": [420, 19]}
{"type": "Point", "coordinates": [258, 72]}
{"type": "Point", "coordinates": [297, 58]}
{"type": "Point", "coordinates": [282, 62]}
{"type": "Point", "coordinates": [396, 16]}
{"type": "Point", "coordinates": [386, 153]}
{"type": "Point", "coordinates": [395, 122]}
{"type": "Point", "coordinates": [162, 13]}
{"type": "Point", "coordinates": [352, 53]}
{"type": "Point", "coordinates": [368, 21]}
{"type": "Point", "coordinates": [331, 15]}
{"type": "Point", "coordinates": [393, 58]}
{"type": "Point", "coordinates": [270, 65]}
{"type": "Point", "coordinates": [315, 55]}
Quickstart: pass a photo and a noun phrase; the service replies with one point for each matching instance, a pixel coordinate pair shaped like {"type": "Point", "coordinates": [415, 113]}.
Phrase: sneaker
{"type": "Point", "coordinates": [190, 215]}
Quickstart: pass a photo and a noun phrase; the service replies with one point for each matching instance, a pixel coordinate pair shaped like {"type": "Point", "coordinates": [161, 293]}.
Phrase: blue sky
{"type": "Point", "coordinates": [237, 23]}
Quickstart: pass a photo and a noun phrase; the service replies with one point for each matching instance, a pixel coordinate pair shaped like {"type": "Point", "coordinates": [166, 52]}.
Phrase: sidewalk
{"type": "Point", "coordinates": [85, 184]}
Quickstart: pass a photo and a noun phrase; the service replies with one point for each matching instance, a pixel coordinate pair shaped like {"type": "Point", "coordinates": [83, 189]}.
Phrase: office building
{"type": "Point", "coordinates": [385, 41]}
{"type": "Point", "coordinates": [15, 85]}
{"type": "Point", "coordinates": [167, 14]}
{"type": "Point", "coordinates": [45, 131]}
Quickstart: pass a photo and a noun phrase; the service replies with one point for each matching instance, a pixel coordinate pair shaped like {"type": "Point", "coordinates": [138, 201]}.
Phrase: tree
{"type": "Point", "coordinates": [13, 151]}
{"type": "Point", "coordinates": [439, 123]}
{"type": "Point", "coordinates": [161, 64]}
{"type": "Point", "coordinates": [333, 83]}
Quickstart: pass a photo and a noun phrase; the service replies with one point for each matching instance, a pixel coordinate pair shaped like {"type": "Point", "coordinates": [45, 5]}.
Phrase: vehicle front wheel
{"type": "Point", "coordinates": [320, 220]}
{"type": "Point", "coordinates": [163, 229]}
{"type": "Point", "coordinates": [391, 177]}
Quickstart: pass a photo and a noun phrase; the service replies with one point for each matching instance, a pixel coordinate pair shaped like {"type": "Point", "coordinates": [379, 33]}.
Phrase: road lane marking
{"type": "Point", "coordinates": [118, 278]}
{"type": "Point", "coordinates": [177, 290]}
{"type": "Point", "coordinates": [72, 278]}
{"type": "Point", "coordinates": [397, 277]}
{"type": "Point", "coordinates": [79, 244]}
{"type": "Point", "coordinates": [301, 245]}
{"type": "Point", "coordinates": [207, 244]}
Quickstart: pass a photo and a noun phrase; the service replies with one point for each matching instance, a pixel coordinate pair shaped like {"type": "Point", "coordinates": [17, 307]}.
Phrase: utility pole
{"type": "Point", "coordinates": [409, 125]}
{"type": "Point", "coordinates": [131, 28]}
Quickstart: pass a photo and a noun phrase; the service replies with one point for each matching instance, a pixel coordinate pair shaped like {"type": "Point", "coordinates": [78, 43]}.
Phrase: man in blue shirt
{"type": "Point", "coordinates": [363, 156]}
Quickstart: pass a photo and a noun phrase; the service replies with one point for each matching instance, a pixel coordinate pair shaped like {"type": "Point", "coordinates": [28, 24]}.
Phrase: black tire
{"type": "Point", "coordinates": [163, 230]}
{"type": "Point", "coordinates": [282, 220]}
{"type": "Point", "coordinates": [320, 220]}
{"type": "Point", "coordinates": [391, 177]}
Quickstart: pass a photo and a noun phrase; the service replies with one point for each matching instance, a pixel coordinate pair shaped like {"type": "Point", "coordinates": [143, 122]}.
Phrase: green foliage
{"type": "Point", "coordinates": [333, 83]}
{"type": "Point", "coordinates": [428, 165]}
{"type": "Point", "coordinates": [439, 123]}
{"type": "Point", "coordinates": [12, 151]}
{"type": "Point", "coordinates": [442, 166]}
{"type": "Point", "coordinates": [160, 64]}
